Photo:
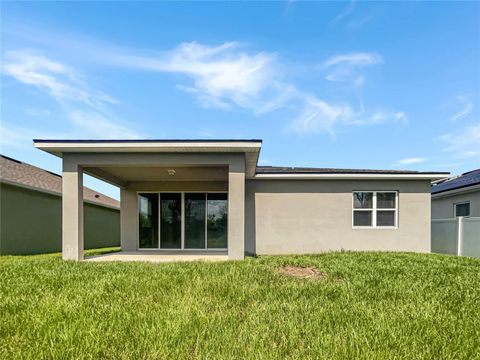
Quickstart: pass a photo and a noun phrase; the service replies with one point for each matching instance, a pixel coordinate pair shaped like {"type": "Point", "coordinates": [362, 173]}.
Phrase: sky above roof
{"type": "Point", "coordinates": [335, 84]}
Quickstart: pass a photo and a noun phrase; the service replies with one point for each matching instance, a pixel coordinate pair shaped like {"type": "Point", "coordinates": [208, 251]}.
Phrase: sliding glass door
{"type": "Point", "coordinates": [217, 221]}
{"type": "Point", "coordinates": [148, 221]}
{"type": "Point", "coordinates": [195, 205]}
{"type": "Point", "coordinates": [183, 220]}
{"type": "Point", "coordinates": [171, 221]}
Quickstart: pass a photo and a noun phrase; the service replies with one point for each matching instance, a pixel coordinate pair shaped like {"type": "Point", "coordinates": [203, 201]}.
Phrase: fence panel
{"type": "Point", "coordinates": [471, 236]}
{"type": "Point", "coordinates": [444, 236]}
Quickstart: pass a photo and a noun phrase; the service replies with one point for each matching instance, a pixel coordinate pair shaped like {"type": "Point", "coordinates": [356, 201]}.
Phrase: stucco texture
{"type": "Point", "coordinates": [31, 222]}
{"type": "Point", "coordinates": [299, 217]}
{"type": "Point", "coordinates": [443, 206]}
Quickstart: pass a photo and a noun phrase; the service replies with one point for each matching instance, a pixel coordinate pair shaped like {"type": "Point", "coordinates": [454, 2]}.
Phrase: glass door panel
{"type": "Point", "coordinates": [195, 204]}
{"type": "Point", "coordinates": [170, 221]}
{"type": "Point", "coordinates": [217, 206]}
{"type": "Point", "coordinates": [148, 221]}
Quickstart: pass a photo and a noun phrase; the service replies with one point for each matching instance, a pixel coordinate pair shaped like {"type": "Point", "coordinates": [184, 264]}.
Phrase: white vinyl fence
{"type": "Point", "coordinates": [459, 236]}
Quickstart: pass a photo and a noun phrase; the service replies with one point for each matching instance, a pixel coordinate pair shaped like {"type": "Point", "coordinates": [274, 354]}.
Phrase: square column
{"type": "Point", "coordinates": [236, 210]}
{"type": "Point", "coordinates": [72, 210]}
{"type": "Point", "coordinates": [128, 220]}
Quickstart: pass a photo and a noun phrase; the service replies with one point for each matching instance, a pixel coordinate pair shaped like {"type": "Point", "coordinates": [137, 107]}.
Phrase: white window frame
{"type": "Point", "coordinates": [461, 203]}
{"type": "Point", "coordinates": [182, 248]}
{"type": "Point", "coordinates": [374, 210]}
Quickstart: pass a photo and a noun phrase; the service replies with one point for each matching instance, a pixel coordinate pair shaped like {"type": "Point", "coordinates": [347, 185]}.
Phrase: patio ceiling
{"type": "Point", "coordinates": [122, 174]}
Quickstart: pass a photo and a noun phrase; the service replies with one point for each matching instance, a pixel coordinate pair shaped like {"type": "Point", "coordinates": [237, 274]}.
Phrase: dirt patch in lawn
{"type": "Point", "coordinates": [302, 272]}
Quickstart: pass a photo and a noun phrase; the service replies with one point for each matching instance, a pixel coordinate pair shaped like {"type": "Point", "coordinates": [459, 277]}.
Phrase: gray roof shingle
{"type": "Point", "coordinates": [18, 172]}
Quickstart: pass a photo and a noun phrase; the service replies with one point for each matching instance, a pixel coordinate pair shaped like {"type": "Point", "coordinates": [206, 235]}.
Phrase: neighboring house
{"type": "Point", "coordinates": [210, 196]}
{"type": "Point", "coordinates": [31, 211]}
{"type": "Point", "coordinates": [457, 196]}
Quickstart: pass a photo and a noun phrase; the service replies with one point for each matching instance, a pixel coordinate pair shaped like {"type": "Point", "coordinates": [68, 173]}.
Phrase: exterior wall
{"type": "Point", "coordinates": [31, 222]}
{"type": "Point", "coordinates": [442, 207]}
{"type": "Point", "coordinates": [311, 216]}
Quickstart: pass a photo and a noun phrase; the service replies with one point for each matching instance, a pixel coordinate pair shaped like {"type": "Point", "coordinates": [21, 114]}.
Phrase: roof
{"type": "Point", "coordinates": [468, 179]}
{"type": "Point", "coordinates": [126, 141]}
{"type": "Point", "coordinates": [16, 172]}
{"type": "Point", "coordinates": [310, 170]}
{"type": "Point", "coordinates": [249, 147]}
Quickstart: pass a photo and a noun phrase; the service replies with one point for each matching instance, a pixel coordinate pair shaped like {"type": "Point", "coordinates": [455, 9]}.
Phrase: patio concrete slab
{"type": "Point", "coordinates": [158, 256]}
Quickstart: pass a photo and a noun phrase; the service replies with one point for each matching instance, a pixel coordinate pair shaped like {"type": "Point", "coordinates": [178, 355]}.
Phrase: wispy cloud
{"type": "Point", "coordinates": [410, 161]}
{"type": "Point", "coordinates": [96, 125]}
{"type": "Point", "coordinates": [21, 136]}
{"type": "Point", "coordinates": [347, 10]}
{"type": "Point", "coordinates": [222, 76]}
{"type": "Point", "coordinates": [225, 76]}
{"type": "Point", "coordinates": [320, 116]}
{"type": "Point", "coordinates": [353, 59]}
{"type": "Point", "coordinates": [467, 109]}
{"type": "Point", "coordinates": [346, 67]}
{"type": "Point", "coordinates": [464, 143]}
{"type": "Point", "coordinates": [87, 111]}
{"type": "Point", "coordinates": [57, 79]}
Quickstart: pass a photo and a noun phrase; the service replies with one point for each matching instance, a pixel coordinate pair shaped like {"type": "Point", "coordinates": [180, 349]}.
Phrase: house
{"type": "Point", "coordinates": [31, 211]}
{"type": "Point", "coordinates": [210, 196]}
{"type": "Point", "coordinates": [457, 196]}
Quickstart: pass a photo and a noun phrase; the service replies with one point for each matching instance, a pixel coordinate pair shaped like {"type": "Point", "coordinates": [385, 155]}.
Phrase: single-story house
{"type": "Point", "coordinates": [457, 196]}
{"type": "Point", "coordinates": [210, 196]}
{"type": "Point", "coordinates": [31, 211]}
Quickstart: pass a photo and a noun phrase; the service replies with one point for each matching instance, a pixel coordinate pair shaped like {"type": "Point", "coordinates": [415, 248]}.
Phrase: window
{"type": "Point", "coordinates": [374, 209]}
{"type": "Point", "coordinates": [461, 209]}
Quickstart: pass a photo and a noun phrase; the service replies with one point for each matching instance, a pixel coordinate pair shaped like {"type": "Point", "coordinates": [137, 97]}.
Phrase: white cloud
{"type": "Point", "coordinates": [467, 109]}
{"type": "Point", "coordinates": [411, 161]}
{"type": "Point", "coordinates": [347, 10]}
{"type": "Point", "coordinates": [320, 116]}
{"type": "Point", "coordinates": [346, 67]}
{"type": "Point", "coordinates": [87, 110]}
{"type": "Point", "coordinates": [21, 136]}
{"type": "Point", "coordinates": [94, 125]}
{"type": "Point", "coordinates": [57, 79]}
{"type": "Point", "coordinates": [464, 143]}
{"type": "Point", "coordinates": [223, 75]}
{"type": "Point", "coordinates": [359, 59]}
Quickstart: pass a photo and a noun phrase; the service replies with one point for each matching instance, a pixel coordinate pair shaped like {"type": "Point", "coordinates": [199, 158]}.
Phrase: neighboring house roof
{"type": "Point", "coordinates": [310, 170]}
{"type": "Point", "coordinates": [17, 172]}
{"type": "Point", "coordinates": [468, 179]}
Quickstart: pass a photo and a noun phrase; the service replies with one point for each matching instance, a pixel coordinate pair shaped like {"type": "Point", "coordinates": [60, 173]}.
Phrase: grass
{"type": "Point", "coordinates": [368, 305]}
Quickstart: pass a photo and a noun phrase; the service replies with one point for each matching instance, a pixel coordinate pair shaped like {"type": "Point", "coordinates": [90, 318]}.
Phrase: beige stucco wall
{"type": "Point", "coordinates": [297, 216]}
{"type": "Point", "coordinates": [442, 207]}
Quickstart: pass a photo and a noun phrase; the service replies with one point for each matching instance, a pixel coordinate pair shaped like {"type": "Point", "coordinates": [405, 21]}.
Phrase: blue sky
{"type": "Point", "coordinates": [335, 84]}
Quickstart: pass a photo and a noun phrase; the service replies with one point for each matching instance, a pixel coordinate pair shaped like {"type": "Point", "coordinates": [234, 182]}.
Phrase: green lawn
{"type": "Point", "coordinates": [368, 305]}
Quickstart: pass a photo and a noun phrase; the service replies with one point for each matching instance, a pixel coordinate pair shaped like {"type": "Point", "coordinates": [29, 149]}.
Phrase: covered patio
{"type": "Point", "coordinates": [180, 199]}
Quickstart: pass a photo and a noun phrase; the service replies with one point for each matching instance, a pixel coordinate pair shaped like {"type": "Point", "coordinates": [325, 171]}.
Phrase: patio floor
{"type": "Point", "coordinates": [151, 256]}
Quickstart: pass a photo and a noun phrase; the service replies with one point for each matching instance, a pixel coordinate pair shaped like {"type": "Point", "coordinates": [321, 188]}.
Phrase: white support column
{"type": "Point", "coordinates": [236, 210]}
{"type": "Point", "coordinates": [128, 220]}
{"type": "Point", "coordinates": [460, 236]}
{"type": "Point", "coordinates": [72, 210]}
